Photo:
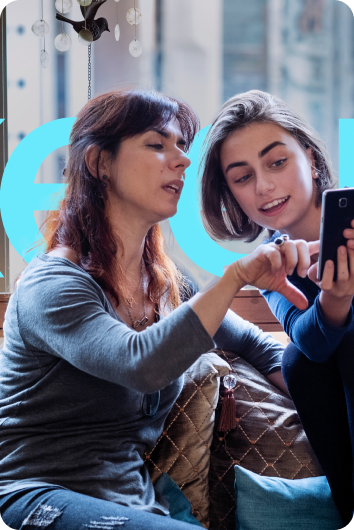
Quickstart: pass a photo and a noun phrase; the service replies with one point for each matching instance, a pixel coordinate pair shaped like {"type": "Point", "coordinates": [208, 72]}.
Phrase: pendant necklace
{"type": "Point", "coordinates": [145, 319]}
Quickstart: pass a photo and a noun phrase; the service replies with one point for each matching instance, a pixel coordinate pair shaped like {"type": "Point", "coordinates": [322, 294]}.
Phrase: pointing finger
{"type": "Point", "coordinates": [314, 247]}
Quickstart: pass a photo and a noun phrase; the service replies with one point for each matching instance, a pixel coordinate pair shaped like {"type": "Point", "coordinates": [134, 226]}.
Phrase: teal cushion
{"type": "Point", "coordinates": [269, 503]}
{"type": "Point", "coordinates": [179, 506]}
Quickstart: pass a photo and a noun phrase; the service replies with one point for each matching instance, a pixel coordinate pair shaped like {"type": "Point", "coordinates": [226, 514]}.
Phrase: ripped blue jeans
{"type": "Point", "coordinates": [61, 509]}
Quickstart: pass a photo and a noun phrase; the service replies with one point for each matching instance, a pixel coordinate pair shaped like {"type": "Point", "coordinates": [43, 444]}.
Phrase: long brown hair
{"type": "Point", "coordinates": [81, 223]}
{"type": "Point", "coordinates": [222, 216]}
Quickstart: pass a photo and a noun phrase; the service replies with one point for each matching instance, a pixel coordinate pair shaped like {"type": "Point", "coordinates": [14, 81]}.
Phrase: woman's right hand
{"type": "Point", "coordinates": [265, 268]}
{"type": "Point", "coordinates": [268, 265]}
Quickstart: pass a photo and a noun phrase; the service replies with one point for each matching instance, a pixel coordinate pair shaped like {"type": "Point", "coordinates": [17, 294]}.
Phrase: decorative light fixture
{"type": "Point", "coordinates": [89, 30]}
{"type": "Point", "coordinates": [44, 57]}
{"type": "Point", "coordinates": [62, 41]}
{"type": "Point", "coordinates": [63, 6]}
{"type": "Point", "coordinates": [41, 28]}
{"type": "Point", "coordinates": [117, 28]}
{"type": "Point", "coordinates": [84, 2]}
{"type": "Point", "coordinates": [134, 17]}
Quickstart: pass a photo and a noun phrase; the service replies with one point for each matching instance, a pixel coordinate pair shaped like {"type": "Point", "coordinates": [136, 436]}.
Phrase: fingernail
{"type": "Point", "coordinates": [342, 250]}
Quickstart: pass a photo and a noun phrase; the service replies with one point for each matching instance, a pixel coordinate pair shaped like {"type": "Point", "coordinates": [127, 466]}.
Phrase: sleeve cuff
{"type": "Point", "coordinates": [325, 324]}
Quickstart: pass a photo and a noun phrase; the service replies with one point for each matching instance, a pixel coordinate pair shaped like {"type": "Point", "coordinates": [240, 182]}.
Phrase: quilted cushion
{"type": "Point", "coordinates": [268, 440]}
{"type": "Point", "coordinates": [183, 449]}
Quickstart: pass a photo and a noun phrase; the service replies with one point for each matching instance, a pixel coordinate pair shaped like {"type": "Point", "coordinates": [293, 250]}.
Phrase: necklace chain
{"type": "Point", "coordinates": [145, 319]}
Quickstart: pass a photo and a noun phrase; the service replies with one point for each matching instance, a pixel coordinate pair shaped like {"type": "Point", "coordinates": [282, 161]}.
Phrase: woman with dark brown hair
{"type": "Point", "coordinates": [265, 169]}
{"type": "Point", "coordinates": [96, 335]}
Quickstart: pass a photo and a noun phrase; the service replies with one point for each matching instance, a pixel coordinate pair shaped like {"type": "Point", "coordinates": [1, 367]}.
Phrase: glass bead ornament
{"type": "Point", "coordinates": [40, 28]}
{"type": "Point", "coordinates": [229, 382]}
{"type": "Point", "coordinates": [63, 6]}
{"type": "Point", "coordinates": [117, 32]}
{"type": "Point", "coordinates": [85, 37]}
{"type": "Point", "coordinates": [134, 16]}
{"type": "Point", "coordinates": [135, 48]}
{"type": "Point", "coordinates": [44, 59]}
{"type": "Point", "coordinates": [62, 42]}
{"type": "Point", "coordinates": [84, 2]}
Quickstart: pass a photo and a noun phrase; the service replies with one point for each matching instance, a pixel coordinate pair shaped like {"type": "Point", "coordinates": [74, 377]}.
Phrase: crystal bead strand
{"type": "Point", "coordinates": [62, 41]}
{"type": "Point", "coordinates": [117, 28]}
{"type": "Point", "coordinates": [134, 18]}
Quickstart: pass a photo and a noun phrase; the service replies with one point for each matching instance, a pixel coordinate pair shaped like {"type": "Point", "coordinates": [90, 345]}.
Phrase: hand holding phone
{"type": "Point", "coordinates": [337, 214]}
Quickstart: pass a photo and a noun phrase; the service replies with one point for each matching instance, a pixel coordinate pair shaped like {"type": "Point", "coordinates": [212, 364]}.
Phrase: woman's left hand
{"type": "Point", "coordinates": [344, 285]}
{"type": "Point", "coordinates": [336, 296]}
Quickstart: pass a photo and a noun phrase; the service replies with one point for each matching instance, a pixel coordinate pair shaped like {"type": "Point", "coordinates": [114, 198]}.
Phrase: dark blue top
{"type": "Point", "coordinates": [308, 329]}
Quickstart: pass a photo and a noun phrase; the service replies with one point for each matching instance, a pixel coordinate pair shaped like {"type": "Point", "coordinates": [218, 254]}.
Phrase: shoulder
{"type": "Point", "coordinates": [272, 238]}
{"type": "Point", "coordinates": [64, 252]}
{"type": "Point", "coordinates": [49, 276]}
{"type": "Point", "coordinates": [55, 294]}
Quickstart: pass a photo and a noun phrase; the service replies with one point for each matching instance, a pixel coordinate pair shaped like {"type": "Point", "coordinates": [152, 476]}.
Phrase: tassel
{"type": "Point", "coordinates": [227, 420]}
{"type": "Point", "coordinates": [228, 412]}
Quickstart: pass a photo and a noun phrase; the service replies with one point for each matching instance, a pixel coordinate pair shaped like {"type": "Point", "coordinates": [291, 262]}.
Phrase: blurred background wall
{"type": "Point", "coordinates": [203, 51]}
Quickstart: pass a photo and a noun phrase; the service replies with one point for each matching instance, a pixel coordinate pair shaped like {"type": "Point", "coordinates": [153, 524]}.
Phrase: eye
{"type": "Point", "coordinates": [279, 163]}
{"type": "Point", "coordinates": [182, 146]}
{"type": "Point", "coordinates": [155, 146]}
{"type": "Point", "coordinates": [243, 179]}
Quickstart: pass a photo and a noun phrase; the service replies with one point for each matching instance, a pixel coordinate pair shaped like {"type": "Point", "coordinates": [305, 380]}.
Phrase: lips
{"type": "Point", "coordinates": [174, 187]}
{"type": "Point", "coordinates": [274, 207]}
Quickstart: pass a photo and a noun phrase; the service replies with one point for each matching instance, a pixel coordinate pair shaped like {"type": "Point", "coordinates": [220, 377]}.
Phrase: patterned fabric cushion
{"type": "Point", "coordinates": [268, 440]}
{"type": "Point", "coordinates": [183, 450]}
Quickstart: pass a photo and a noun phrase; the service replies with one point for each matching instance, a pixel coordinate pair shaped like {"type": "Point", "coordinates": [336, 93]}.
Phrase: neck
{"type": "Point", "coordinates": [131, 231]}
{"type": "Point", "coordinates": [308, 228]}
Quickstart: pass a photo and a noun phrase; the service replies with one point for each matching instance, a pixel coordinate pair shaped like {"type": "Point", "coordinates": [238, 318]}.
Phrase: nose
{"type": "Point", "coordinates": [264, 183]}
{"type": "Point", "coordinates": [180, 160]}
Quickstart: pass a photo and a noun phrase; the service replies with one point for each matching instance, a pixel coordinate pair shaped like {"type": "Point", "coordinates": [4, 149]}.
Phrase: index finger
{"type": "Point", "coordinates": [314, 247]}
{"type": "Point", "coordinates": [294, 295]}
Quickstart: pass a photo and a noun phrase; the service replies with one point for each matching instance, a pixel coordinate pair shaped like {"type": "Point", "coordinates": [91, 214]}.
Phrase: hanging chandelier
{"type": "Point", "coordinates": [89, 30]}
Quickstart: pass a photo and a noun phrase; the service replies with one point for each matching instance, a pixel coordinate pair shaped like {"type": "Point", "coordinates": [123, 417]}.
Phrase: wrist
{"type": "Point", "coordinates": [326, 296]}
{"type": "Point", "coordinates": [235, 276]}
{"type": "Point", "coordinates": [335, 309]}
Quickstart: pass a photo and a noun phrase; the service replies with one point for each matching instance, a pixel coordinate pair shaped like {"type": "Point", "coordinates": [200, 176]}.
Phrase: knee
{"type": "Point", "coordinates": [295, 367]}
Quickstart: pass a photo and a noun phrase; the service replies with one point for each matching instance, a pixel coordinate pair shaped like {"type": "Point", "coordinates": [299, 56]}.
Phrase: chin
{"type": "Point", "coordinates": [163, 215]}
{"type": "Point", "coordinates": [170, 211]}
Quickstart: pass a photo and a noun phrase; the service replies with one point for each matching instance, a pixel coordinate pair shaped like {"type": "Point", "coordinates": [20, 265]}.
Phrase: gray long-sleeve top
{"type": "Point", "coordinates": [74, 380]}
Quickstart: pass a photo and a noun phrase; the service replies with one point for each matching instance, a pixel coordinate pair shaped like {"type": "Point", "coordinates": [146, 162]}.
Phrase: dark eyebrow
{"type": "Point", "coordinates": [260, 155]}
{"type": "Point", "coordinates": [167, 135]}
{"type": "Point", "coordinates": [235, 164]}
{"type": "Point", "coordinates": [268, 148]}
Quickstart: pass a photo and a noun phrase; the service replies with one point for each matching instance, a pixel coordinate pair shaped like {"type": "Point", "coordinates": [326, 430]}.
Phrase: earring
{"type": "Point", "coordinates": [316, 174]}
{"type": "Point", "coordinates": [104, 180]}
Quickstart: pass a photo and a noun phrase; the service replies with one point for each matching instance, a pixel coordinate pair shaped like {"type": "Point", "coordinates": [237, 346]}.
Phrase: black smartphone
{"type": "Point", "coordinates": [337, 213]}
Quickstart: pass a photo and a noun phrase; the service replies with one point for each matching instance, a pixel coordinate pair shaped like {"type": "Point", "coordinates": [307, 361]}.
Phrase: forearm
{"type": "Point", "coordinates": [277, 379]}
{"type": "Point", "coordinates": [259, 349]}
{"type": "Point", "coordinates": [335, 310]}
{"type": "Point", "coordinates": [211, 306]}
{"type": "Point", "coordinates": [308, 330]}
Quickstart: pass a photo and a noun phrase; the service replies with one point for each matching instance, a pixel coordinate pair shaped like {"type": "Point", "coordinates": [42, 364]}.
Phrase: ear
{"type": "Point", "coordinates": [94, 158]}
{"type": "Point", "coordinates": [312, 162]}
